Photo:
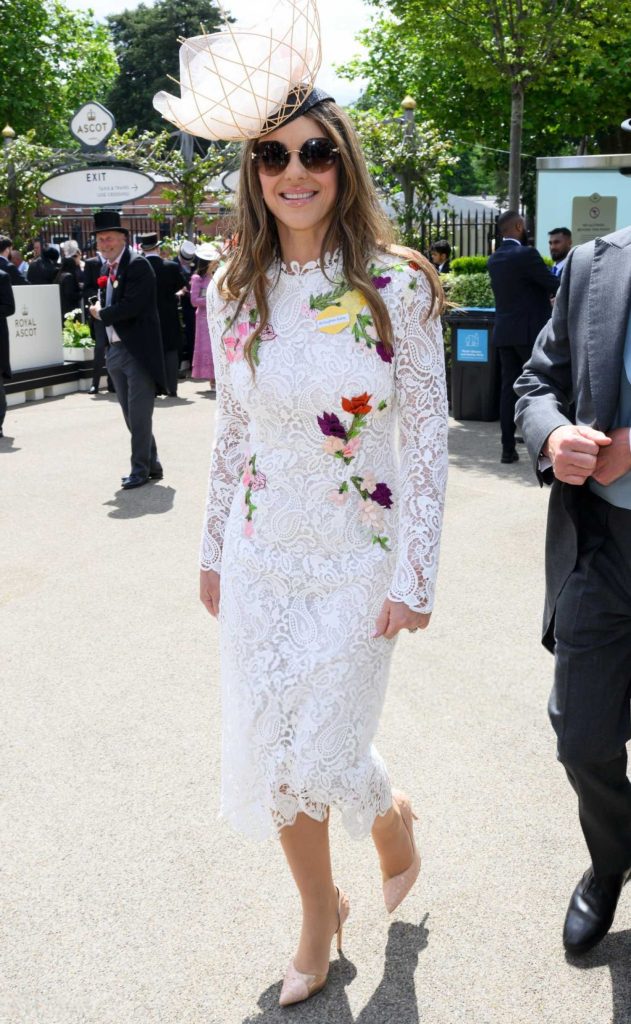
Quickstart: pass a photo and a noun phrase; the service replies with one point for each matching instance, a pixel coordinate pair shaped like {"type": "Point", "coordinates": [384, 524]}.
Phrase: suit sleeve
{"type": "Point", "coordinates": [7, 301]}
{"type": "Point", "coordinates": [139, 293]}
{"type": "Point", "coordinates": [544, 389]}
{"type": "Point", "coordinates": [540, 274]}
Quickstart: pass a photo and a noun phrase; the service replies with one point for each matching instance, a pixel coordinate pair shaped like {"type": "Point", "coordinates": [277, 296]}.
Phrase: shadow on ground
{"type": "Point", "coordinates": [476, 448]}
{"type": "Point", "coordinates": [394, 999]}
{"type": "Point", "coordinates": [150, 500]}
{"type": "Point", "coordinates": [613, 952]}
{"type": "Point", "coordinates": [7, 447]}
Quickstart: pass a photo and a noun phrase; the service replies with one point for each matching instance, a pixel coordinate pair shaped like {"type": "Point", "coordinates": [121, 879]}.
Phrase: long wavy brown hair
{"type": "Point", "coordinates": [359, 228]}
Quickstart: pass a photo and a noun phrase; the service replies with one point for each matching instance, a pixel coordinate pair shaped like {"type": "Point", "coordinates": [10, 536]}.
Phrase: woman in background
{"type": "Point", "coordinates": [207, 262]}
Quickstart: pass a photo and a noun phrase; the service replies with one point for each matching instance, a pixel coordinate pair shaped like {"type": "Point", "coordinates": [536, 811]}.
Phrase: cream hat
{"type": "Point", "coordinates": [246, 81]}
{"type": "Point", "coordinates": [208, 252]}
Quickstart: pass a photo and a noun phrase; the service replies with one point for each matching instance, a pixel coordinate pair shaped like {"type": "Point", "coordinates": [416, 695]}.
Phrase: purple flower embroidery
{"type": "Point", "coordinates": [381, 282]}
{"type": "Point", "coordinates": [331, 426]}
{"type": "Point", "coordinates": [383, 353]}
{"type": "Point", "coordinates": [382, 495]}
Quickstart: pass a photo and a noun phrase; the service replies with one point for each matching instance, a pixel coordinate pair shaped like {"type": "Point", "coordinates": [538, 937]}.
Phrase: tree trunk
{"type": "Point", "coordinates": [514, 159]}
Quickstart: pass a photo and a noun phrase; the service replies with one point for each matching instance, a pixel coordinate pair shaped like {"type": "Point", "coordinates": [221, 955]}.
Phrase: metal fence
{"type": "Point", "coordinates": [468, 234]}
{"type": "Point", "coordinates": [81, 227]}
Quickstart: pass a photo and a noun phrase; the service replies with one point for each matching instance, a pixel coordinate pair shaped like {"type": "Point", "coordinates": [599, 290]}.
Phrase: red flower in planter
{"type": "Point", "coordinates": [101, 282]}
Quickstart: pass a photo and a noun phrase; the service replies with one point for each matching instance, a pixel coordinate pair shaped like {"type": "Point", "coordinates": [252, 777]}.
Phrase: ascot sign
{"type": "Point", "coordinates": [92, 126]}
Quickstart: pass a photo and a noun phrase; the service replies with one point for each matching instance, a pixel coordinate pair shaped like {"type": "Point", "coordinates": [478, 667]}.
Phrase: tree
{"type": "Point", "coordinates": [190, 176]}
{"type": "Point", "coordinates": [146, 44]}
{"type": "Point", "coordinates": [53, 60]}
{"type": "Point", "coordinates": [24, 164]}
{"type": "Point", "coordinates": [405, 159]}
{"type": "Point", "coordinates": [471, 64]}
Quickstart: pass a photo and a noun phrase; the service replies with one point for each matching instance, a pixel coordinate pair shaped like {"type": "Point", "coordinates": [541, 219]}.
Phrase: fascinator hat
{"type": "Point", "coordinates": [246, 81]}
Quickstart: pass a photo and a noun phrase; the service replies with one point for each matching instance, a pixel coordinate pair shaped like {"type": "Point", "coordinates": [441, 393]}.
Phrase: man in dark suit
{"type": "Point", "coordinates": [440, 255]}
{"type": "Point", "coordinates": [127, 306]}
{"type": "Point", "coordinates": [43, 270]}
{"type": "Point", "coordinates": [186, 263]}
{"type": "Point", "coordinates": [522, 286]}
{"type": "Point", "coordinates": [15, 276]}
{"type": "Point", "coordinates": [170, 280]}
{"type": "Point", "coordinates": [574, 410]}
{"type": "Point", "coordinates": [7, 308]}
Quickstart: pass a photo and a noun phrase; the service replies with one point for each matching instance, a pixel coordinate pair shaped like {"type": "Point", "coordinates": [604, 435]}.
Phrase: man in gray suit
{"type": "Point", "coordinates": [574, 411]}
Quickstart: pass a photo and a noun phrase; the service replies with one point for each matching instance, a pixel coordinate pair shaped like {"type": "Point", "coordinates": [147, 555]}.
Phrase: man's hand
{"type": "Point", "coordinates": [395, 615]}
{"type": "Point", "coordinates": [614, 461]}
{"type": "Point", "coordinates": [95, 310]}
{"type": "Point", "coordinates": [574, 452]}
{"type": "Point", "coordinates": [209, 590]}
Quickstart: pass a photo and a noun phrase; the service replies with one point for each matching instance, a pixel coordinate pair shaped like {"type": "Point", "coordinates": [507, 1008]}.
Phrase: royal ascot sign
{"type": "Point", "coordinates": [35, 328]}
{"type": "Point", "coordinates": [92, 126]}
{"type": "Point", "coordinates": [97, 186]}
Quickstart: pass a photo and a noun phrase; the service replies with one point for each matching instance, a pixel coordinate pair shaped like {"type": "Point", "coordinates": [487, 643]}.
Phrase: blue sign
{"type": "Point", "coordinates": [472, 345]}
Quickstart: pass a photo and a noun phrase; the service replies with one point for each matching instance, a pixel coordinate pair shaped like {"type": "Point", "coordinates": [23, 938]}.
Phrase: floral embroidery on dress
{"type": "Point", "coordinates": [235, 343]}
{"type": "Point", "coordinates": [342, 308]}
{"type": "Point", "coordinates": [252, 480]}
{"type": "Point", "coordinates": [344, 444]}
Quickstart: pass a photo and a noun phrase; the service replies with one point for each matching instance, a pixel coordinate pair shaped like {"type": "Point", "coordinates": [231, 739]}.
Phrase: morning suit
{"type": "Point", "coordinates": [580, 371]}
{"type": "Point", "coordinates": [7, 308]}
{"type": "Point", "coordinates": [169, 280]}
{"type": "Point", "coordinates": [135, 360]}
{"type": "Point", "coordinates": [522, 286]}
{"type": "Point", "coordinates": [10, 268]}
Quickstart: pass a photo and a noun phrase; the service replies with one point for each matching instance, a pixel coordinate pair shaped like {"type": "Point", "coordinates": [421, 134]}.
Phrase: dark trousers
{"type": "Point", "coordinates": [3, 401]}
{"type": "Point", "coordinates": [136, 391]}
{"type": "Point", "coordinates": [172, 365]}
{"type": "Point", "coordinates": [590, 700]}
{"type": "Point", "coordinates": [512, 359]}
{"type": "Point", "coordinates": [100, 345]}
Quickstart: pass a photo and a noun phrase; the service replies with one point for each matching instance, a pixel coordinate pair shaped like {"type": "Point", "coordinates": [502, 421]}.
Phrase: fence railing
{"type": "Point", "coordinates": [468, 234]}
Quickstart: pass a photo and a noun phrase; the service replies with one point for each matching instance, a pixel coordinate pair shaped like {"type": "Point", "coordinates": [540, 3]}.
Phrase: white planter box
{"type": "Point", "coordinates": [78, 355]}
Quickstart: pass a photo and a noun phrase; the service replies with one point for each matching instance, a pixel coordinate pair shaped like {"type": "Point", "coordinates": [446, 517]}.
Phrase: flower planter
{"type": "Point", "coordinates": [79, 355]}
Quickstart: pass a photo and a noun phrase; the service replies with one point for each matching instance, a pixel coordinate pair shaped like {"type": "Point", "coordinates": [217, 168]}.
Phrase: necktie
{"type": "Point", "coordinates": [113, 271]}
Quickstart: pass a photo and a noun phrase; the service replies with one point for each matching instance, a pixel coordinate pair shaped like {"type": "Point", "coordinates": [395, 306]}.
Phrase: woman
{"type": "Point", "coordinates": [207, 262]}
{"type": "Point", "coordinates": [69, 285]}
{"type": "Point", "coordinates": [320, 544]}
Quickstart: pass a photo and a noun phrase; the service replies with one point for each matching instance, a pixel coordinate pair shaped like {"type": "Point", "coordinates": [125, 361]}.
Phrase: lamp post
{"type": "Point", "coordinates": [408, 105]}
{"type": "Point", "coordinates": [8, 135]}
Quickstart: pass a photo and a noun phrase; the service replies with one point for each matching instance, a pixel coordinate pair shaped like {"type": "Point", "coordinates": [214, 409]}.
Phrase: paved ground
{"type": "Point", "coordinates": [126, 902]}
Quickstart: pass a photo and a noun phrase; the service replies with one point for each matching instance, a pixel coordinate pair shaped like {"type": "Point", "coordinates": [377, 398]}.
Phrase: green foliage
{"type": "Point", "coordinates": [24, 164]}
{"type": "Point", "coordinates": [409, 164]}
{"type": "Point", "coordinates": [471, 290]}
{"type": "Point", "coordinates": [75, 333]}
{"type": "Point", "coordinates": [469, 265]}
{"type": "Point", "coordinates": [53, 60]}
{"type": "Point", "coordinates": [460, 58]}
{"type": "Point", "coordinates": [189, 181]}
{"type": "Point", "coordinates": [146, 45]}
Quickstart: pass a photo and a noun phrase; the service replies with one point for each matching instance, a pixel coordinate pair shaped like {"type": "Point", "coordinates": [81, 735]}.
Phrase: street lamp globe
{"type": "Point", "coordinates": [408, 103]}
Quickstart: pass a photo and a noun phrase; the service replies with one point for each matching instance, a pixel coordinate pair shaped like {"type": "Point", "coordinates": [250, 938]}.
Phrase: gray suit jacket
{"type": "Point", "coordinates": [576, 362]}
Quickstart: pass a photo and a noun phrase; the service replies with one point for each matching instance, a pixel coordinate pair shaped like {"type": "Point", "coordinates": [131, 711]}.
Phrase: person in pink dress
{"type": "Point", "coordinates": [208, 257]}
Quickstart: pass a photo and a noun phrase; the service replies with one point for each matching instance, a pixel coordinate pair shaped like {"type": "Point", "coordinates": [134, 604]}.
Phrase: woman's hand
{"type": "Point", "coordinates": [209, 590]}
{"type": "Point", "coordinates": [395, 615]}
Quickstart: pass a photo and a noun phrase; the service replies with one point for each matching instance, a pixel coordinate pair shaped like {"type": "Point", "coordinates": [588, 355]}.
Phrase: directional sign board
{"type": "Point", "coordinates": [97, 186]}
{"type": "Point", "coordinates": [92, 125]}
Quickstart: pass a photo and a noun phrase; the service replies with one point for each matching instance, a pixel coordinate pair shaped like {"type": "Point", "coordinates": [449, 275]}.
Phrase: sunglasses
{"type": "Point", "coordinates": [316, 155]}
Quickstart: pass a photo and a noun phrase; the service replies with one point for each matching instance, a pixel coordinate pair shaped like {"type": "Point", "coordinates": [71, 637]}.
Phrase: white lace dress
{"type": "Point", "coordinates": [316, 513]}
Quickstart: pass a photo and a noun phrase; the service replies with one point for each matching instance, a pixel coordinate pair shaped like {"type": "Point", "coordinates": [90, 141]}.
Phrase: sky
{"type": "Point", "coordinates": [341, 20]}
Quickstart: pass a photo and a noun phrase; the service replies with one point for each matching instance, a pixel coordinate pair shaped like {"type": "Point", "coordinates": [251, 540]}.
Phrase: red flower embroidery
{"type": "Point", "coordinates": [357, 406]}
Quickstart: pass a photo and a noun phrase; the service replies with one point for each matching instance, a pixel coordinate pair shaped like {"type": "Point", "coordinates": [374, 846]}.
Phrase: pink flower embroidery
{"type": "Point", "coordinates": [259, 482]}
{"type": "Point", "coordinates": [247, 478]}
{"type": "Point", "coordinates": [333, 445]}
{"type": "Point", "coordinates": [248, 528]}
{"type": "Point", "coordinates": [350, 450]}
{"type": "Point", "coordinates": [369, 481]}
{"type": "Point", "coordinates": [371, 514]}
{"type": "Point", "coordinates": [338, 498]}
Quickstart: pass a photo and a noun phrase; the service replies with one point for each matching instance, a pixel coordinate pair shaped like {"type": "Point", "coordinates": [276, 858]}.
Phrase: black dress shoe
{"type": "Point", "coordinates": [134, 481]}
{"type": "Point", "coordinates": [93, 390]}
{"type": "Point", "coordinates": [591, 911]}
{"type": "Point", "coordinates": [510, 456]}
{"type": "Point", "coordinates": [156, 472]}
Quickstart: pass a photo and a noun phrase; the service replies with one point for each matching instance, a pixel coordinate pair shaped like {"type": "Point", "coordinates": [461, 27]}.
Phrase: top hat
{"type": "Point", "coordinates": [108, 220]}
{"type": "Point", "coordinates": [187, 251]}
{"type": "Point", "coordinates": [148, 242]}
{"type": "Point", "coordinates": [247, 80]}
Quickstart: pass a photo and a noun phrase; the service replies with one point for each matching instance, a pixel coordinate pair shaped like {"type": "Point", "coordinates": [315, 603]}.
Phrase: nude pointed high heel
{"type": "Point", "coordinates": [395, 889]}
{"type": "Point", "coordinates": [298, 986]}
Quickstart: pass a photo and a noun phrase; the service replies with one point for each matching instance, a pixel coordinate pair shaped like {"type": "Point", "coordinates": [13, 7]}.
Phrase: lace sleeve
{"type": "Point", "coordinates": [421, 400]}
{"type": "Point", "coordinates": [227, 455]}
